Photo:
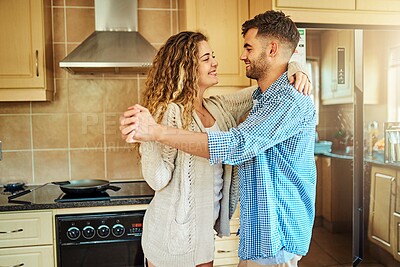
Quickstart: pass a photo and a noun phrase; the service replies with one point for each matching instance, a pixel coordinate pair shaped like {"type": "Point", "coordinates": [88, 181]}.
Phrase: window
{"type": "Point", "coordinates": [394, 85]}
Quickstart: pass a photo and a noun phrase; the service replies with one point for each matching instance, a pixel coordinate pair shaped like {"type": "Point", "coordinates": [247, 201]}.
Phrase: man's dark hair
{"type": "Point", "coordinates": [274, 24]}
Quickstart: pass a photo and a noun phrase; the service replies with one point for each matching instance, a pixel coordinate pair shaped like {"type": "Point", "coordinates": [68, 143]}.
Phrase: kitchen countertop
{"type": "Point", "coordinates": [375, 159]}
{"type": "Point", "coordinates": [45, 200]}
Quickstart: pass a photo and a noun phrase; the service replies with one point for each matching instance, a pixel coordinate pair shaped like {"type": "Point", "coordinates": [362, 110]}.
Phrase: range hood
{"type": "Point", "coordinates": [116, 47]}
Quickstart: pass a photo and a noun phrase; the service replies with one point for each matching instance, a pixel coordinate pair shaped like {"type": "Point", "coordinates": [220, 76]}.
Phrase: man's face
{"type": "Point", "coordinates": [254, 55]}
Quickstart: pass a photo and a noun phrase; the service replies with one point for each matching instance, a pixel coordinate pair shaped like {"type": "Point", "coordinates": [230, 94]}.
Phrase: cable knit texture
{"type": "Point", "coordinates": [178, 224]}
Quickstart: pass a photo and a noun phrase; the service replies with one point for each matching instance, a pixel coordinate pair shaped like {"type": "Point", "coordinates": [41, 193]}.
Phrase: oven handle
{"type": "Point", "coordinates": [18, 265]}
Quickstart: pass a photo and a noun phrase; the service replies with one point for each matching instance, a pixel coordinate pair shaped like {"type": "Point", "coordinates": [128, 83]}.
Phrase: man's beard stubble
{"type": "Point", "coordinates": [258, 67]}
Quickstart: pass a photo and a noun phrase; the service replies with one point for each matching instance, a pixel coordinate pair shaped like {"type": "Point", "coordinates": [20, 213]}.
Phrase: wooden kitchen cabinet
{"type": "Point", "coordinates": [321, 4]}
{"type": "Point", "coordinates": [337, 68]}
{"type": "Point", "coordinates": [319, 194]}
{"type": "Point", "coordinates": [352, 12]}
{"type": "Point", "coordinates": [396, 221]}
{"type": "Point", "coordinates": [26, 54]}
{"type": "Point", "coordinates": [226, 248]}
{"type": "Point", "coordinates": [382, 201]}
{"type": "Point", "coordinates": [381, 5]}
{"type": "Point", "coordinates": [26, 238]}
{"type": "Point", "coordinates": [221, 22]}
{"type": "Point", "coordinates": [337, 196]}
{"type": "Point", "coordinates": [30, 256]}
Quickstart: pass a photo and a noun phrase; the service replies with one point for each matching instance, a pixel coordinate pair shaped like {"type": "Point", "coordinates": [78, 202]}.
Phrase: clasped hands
{"type": "Point", "coordinates": [137, 124]}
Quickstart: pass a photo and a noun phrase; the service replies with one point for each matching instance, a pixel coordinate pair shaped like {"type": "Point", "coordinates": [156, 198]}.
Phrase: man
{"type": "Point", "coordinates": [273, 148]}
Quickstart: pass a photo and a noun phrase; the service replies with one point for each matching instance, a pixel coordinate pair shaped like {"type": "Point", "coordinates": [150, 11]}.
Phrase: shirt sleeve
{"type": "Point", "coordinates": [238, 103]}
{"type": "Point", "coordinates": [272, 123]}
{"type": "Point", "coordinates": [157, 160]}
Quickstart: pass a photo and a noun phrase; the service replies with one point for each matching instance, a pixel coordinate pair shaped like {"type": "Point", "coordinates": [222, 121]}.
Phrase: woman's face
{"type": "Point", "coordinates": [207, 66]}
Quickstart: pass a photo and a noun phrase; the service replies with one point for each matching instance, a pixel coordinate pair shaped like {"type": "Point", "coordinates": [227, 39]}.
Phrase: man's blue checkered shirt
{"type": "Point", "coordinates": [274, 149]}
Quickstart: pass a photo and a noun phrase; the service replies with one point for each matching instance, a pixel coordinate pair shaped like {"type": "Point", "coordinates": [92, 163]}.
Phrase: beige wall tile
{"type": "Point", "coordinates": [154, 3]}
{"type": "Point", "coordinates": [80, 23]}
{"type": "Point", "coordinates": [112, 132]}
{"type": "Point", "coordinates": [50, 131]}
{"type": "Point", "coordinates": [59, 21]}
{"type": "Point", "coordinates": [51, 166]}
{"type": "Point", "coordinates": [87, 164]}
{"type": "Point", "coordinates": [16, 167]}
{"type": "Point", "coordinates": [87, 130]}
{"type": "Point", "coordinates": [123, 164]}
{"type": "Point", "coordinates": [85, 96]}
{"type": "Point", "coordinates": [155, 25]}
{"type": "Point", "coordinates": [59, 54]}
{"type": "Point", "coordinates": [14, 107]}
{"type": "Point", "coordinates": [120, 94]}
{"type": "Point", "coordinates": [58, 3]}
{"type": "Point", "coordinates": [15, 132]}
{"type": "Point", "coordinates": [87, 3]}
{"type": "Point", "coordinates": [58, 105]}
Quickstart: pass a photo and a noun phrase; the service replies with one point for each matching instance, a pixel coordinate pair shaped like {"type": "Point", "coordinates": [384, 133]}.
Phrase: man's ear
{"type": "Point", "coordinates": [273, 48]}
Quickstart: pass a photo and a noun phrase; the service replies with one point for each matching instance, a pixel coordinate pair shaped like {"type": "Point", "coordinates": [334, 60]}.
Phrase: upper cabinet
{"type": "Point", "coordinates": [26, 54]}
{"type": "Point", "coordinates": [381, 5]}
{"type": "Point", "coordinates": [321, 4]}
{"type": "Point", "coordinates": [363, 12]}
{"type": "Point", "coordinates": [221, 21]}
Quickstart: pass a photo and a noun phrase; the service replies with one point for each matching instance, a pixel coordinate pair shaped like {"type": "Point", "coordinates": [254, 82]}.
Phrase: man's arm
{"type": "Point", "coordinates": [144, 128]}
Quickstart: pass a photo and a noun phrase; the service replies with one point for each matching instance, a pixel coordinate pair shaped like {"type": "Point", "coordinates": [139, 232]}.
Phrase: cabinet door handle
{"type": "Point", "coordinates": [12, 231]}
{"type": "Point", "coordinates": [18, 265]}
{"type": "Point", "coordinates": [37, 63]}
{"type": "Point", "coordinates": [226, 251]}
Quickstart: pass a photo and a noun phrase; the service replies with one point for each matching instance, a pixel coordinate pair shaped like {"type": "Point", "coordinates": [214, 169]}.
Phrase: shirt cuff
{"type": "Point", "coordinates": [218, 145]}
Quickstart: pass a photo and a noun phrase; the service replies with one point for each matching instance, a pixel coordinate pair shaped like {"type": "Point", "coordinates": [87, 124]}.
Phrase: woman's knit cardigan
{"type": "Point", "coordinates": [178, 224]}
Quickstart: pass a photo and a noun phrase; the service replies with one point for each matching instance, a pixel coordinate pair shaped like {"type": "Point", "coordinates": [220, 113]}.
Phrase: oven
{"type": "Point", "coordinates": [100, 240]}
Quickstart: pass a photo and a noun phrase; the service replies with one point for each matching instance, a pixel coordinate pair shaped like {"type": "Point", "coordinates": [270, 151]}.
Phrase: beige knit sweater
{"type": "Point", "coordinates": [178, 224]}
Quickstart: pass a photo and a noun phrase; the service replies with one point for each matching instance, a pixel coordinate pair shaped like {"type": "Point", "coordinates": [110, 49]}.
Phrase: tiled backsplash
{"type": "Point", "coordinates": [76, 136]}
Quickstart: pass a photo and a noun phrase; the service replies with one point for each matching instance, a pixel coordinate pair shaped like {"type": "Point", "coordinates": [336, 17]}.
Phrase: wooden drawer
{"type": "Point", "coordinates": [25, 229]}
{"type": "Point", "coordinates": [227, 247]}
{"type": "Point", "coordinates": [27, 256]}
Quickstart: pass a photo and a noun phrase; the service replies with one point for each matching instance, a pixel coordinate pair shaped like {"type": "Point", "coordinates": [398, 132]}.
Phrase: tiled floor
{"type": "Point", "coordinates": [332, 250]}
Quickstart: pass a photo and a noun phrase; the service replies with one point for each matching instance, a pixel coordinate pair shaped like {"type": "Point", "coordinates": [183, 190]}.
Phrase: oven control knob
{"type": "Point", "coordinates": [103, 231]}
{"type": "Point", "coordinates": [88, 232]}
{"type": "Point", "coordinates": [118, 230]}
{"type": "Point", "coordinates": [73, 233]}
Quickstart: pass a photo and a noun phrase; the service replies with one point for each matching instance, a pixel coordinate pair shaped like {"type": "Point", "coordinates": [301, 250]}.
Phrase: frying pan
{"type": "Point", "coordinates": [88, 186]}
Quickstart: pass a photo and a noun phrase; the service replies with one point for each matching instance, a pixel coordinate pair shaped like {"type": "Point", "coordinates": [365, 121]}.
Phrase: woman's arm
{"type": "Point", "coordinates": [158, 160]}
{"type": "Point", "coordinates": [239, 103]}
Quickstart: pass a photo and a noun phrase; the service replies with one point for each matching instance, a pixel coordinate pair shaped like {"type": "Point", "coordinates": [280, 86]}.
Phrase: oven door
{"type": "Point", "coordinates": [104, 254]}
{"type": "Point", "coordinates": [100, 240]}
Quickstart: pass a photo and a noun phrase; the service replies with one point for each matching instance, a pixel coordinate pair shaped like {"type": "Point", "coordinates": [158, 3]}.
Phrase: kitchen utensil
{"type": "Point", "coordinates": [25, 192]}
{"type": "Point", "coordinates": [86, 186]}
{"type": "Point", "coordinates": [13, 187]}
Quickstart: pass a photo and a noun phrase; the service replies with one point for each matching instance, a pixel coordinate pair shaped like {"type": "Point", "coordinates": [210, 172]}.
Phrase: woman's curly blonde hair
{"type": "Point", "coordinates": [173, 76]}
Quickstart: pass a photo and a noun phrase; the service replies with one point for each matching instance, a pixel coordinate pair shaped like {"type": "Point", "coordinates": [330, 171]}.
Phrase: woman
{"type": "Point", "coordinates": [191, 196]}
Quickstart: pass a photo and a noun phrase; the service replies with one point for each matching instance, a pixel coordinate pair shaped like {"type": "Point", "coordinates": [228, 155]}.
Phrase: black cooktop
{"type": "Point", "coordinates": [50, 194]}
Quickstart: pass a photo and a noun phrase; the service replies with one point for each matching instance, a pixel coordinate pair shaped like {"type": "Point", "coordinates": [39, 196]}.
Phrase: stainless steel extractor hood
{"type": "Point", "coordinates": [116, 46]}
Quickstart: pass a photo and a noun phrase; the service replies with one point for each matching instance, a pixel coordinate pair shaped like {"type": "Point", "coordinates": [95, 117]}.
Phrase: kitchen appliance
{"type": "Point", "coordinates": [96, 240]}
{"type": "Point", "coordinates": [86, 186]}
{"type": "Point", "coordinates": [392, 142]}
{"type": "Point", "coordinates": [50, 193]}
{"type": "Point", "coordinates": [116, 46]}
{"type": "Point", "coordinates": [13, 187]}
